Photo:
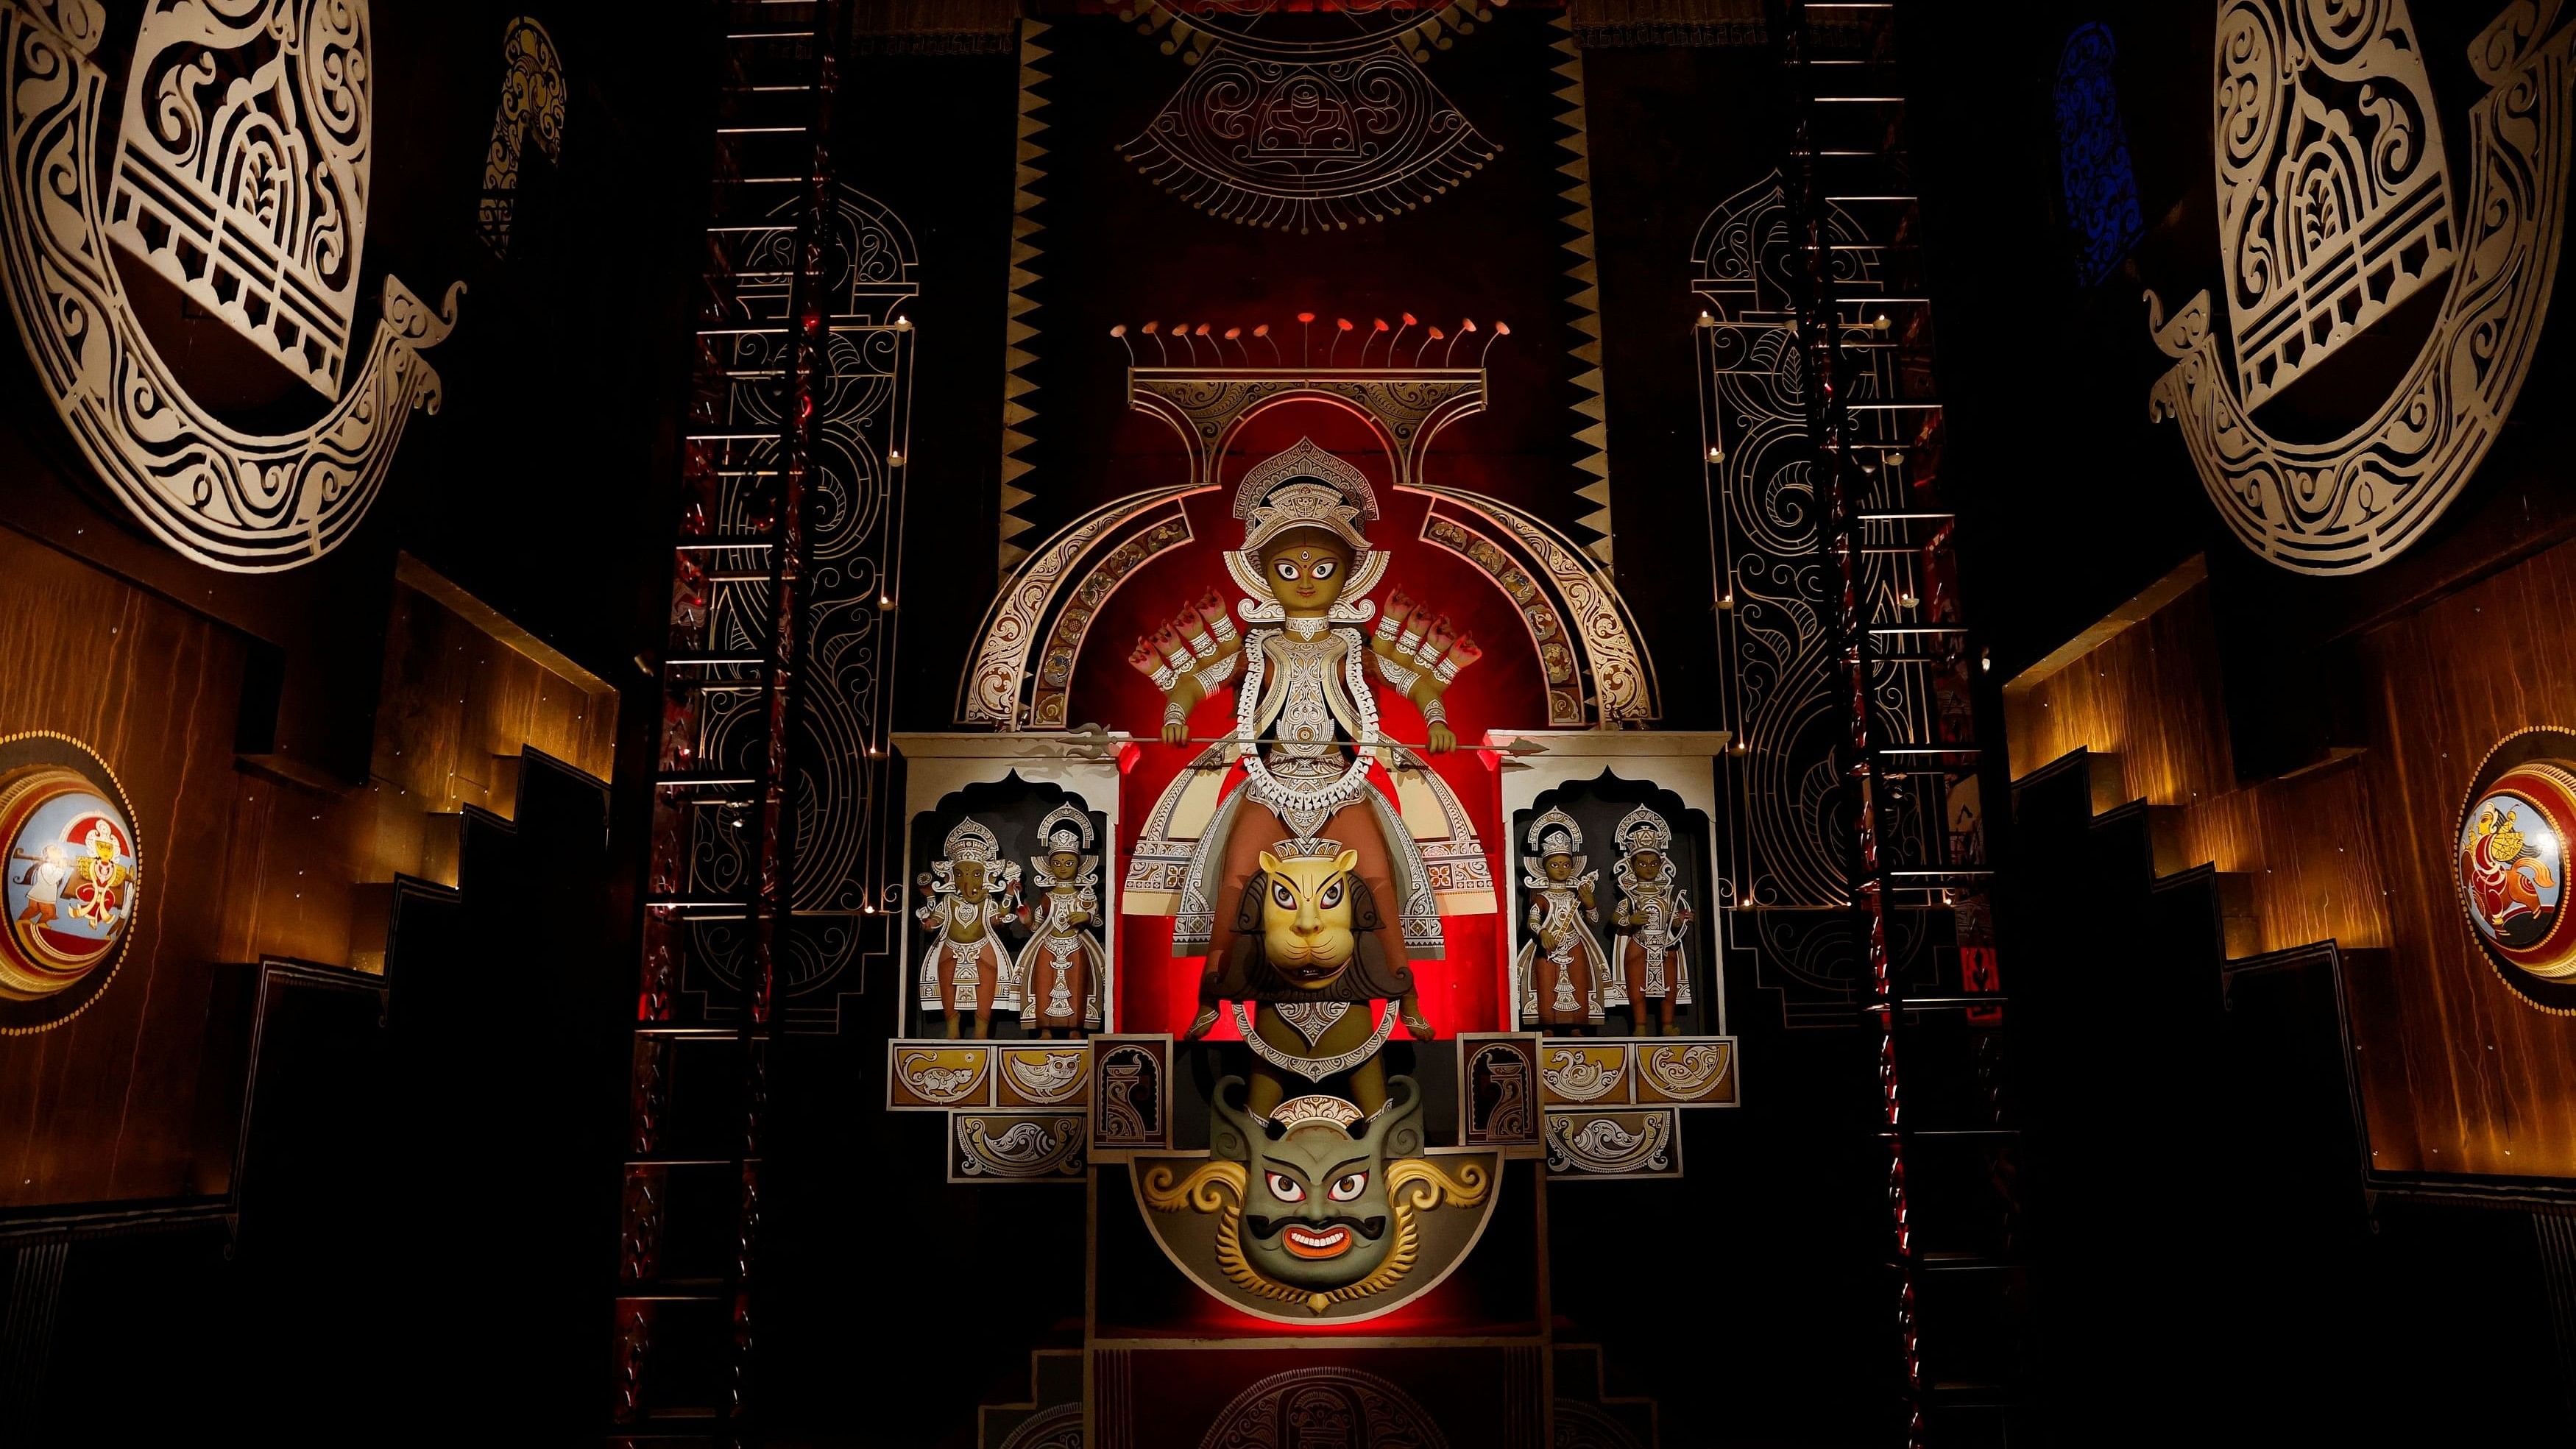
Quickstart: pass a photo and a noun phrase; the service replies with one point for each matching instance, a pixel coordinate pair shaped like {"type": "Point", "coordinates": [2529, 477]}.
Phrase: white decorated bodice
{"type": "Point", "coordinates": [1306, 709]}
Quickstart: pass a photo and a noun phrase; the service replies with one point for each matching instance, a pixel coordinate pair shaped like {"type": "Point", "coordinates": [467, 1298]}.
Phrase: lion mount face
{"type": "Point", "coordinates": [1306, 918]}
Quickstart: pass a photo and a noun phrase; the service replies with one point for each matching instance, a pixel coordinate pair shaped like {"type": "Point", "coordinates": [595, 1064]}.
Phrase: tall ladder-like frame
{"type": "Point", "coordinates": [1944, 1118]}
{"type": "Point", "coordinates": [687, 1323]}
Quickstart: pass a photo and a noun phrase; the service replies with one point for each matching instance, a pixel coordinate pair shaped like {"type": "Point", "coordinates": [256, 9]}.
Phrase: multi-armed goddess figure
{"type": "Point", "coordinates": [1306, 722]}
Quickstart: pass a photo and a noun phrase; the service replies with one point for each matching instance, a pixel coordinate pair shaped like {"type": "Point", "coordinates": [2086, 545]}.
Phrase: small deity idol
{"type": "Point", "coordinates": [1564, 976]}
{"type": "Point", "coordinates": [965, 897]}
{"type": "Point", "coordinates": [1652, 914]}
{"type": "Point", "coordinates": [1061, 967]}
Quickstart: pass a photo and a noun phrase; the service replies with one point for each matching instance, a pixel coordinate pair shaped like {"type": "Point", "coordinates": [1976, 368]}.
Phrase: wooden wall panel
{"type": "Point", "coordinates": [2489, 1081]}
{"type": "Point", "coordinates": [2150, 695]}
{"type": "Point", "coordinates": [241, 860]}
{"type": "Point", "coordinates": [2304, 842]}
{"type": "Point", "coordinates": [2458, 1073]}
{"type": "Point", "coordinates": [458, 703]}
{"type": "Point", "coordinates": [288, 884]}
{"type": "Point", "coordinates": [102, 1106]}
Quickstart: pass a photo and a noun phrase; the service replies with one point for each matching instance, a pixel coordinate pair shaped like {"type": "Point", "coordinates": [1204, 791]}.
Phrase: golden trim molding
{"type": "Point", "coordinates": [1019, 333]}
{"type": "Point", "coordinates": [1593, 437]}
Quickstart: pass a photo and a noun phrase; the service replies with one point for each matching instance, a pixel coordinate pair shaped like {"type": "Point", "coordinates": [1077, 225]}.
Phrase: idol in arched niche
{"type": "Point", "coordinates": [1306, 718]}
{"type": "Point", "coordinates": [1640, 909]}
{"type": "Point", "coordinates": [966, 895]}
{"type": "Point", "coordinates": [1562, 978]}
{"type": "Point", "coordinates": [1062, 964]}
{"type": "Point", "coordinates": [1650, 919]}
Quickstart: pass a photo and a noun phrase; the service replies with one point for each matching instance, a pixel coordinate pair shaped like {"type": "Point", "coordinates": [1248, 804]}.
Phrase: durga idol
{"type": "Point", "coordinates": [1315, 759]}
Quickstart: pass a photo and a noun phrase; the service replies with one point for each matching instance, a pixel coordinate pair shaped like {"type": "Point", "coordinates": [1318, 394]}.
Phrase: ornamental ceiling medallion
{"type": "Point", "coordinates": [2509, 856]}
{"type": "Point", "coordinates": [2335, 206]}
{"type": "Point", "coordinates": [239, 174]}
{"type": "Point", "coordinates": [73, 884]}
{"type": "Point", "coordinates": [1308, 121]}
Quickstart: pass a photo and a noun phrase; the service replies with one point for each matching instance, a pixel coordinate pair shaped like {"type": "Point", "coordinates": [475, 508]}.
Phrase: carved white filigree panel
{"type": "Point", "coordinates": [2304, 94]}
{"type": "Point", "coordinates": [2334, 202]}
{"type": "Point", "coordinates": [241, 502]}
{"type": "Point", "coordinates": [241, 167]}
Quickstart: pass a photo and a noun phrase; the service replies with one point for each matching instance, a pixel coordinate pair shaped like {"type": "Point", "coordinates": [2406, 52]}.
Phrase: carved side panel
{"type": "Point", "coordinates": [843, 867]}
{"type": "Point", "coordinates": [1131, 1094]}
{"type": "Point", "coordinates": [1592, 1143]}
{"type": "Point", "coordinates": [1787, 837]}
{"type": "Point", "coordinates": [241, 168]}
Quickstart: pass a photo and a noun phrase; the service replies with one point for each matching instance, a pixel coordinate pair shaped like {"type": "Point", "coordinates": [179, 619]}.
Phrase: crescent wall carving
{"type": "Point", "coordinates": [240, 502]}
{"type": "Point", "coordinates": [2354, 502]}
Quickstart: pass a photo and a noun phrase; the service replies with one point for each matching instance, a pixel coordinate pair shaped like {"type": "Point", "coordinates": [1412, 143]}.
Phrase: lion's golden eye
{"type": "Point", "coordinates": [1286, 1188]}
{"type": "Point", "coordinates": [1280, 896]}
{"type": "Point", "coordinates": [1332, 894]}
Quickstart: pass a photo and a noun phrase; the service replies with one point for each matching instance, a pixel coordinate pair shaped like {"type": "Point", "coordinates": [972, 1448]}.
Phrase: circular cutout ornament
{"type": "Point", "coordinates": [2510, 859]}
{"type": "Point", "coordinates": [72, 882]}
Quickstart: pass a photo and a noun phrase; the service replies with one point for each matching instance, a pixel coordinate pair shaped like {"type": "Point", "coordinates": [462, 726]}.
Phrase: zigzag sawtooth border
{"type": "Point", "coordinates": [1594, 434]}
{"type": "Point", "coordinates": [1021, 334]}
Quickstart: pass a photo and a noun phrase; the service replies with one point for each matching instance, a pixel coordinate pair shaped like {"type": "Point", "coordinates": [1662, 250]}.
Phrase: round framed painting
{"type": "Point", "coordinates": [73, 881]}
{"type": "Point", "coordinates": [2509, 857]}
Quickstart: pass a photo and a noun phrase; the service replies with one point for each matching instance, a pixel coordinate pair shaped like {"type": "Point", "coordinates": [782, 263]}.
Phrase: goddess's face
{"type": "Point", "coordinates": [1306, 569]}
{"type": "Point", "coordinates": [1559, 867]}
{"type": "Point", "coordinates": [1647, 864]}
{"type": "Point", "coordinates": [1062, 863]}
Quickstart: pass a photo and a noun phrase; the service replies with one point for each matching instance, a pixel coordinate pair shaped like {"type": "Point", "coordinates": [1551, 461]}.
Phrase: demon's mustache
{"type": "Point", "coordinates": [1369, 1228]}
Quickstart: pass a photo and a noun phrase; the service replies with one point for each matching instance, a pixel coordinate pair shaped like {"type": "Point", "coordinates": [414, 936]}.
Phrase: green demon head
{"type": "Point", "coordinates": [1316, 1203]}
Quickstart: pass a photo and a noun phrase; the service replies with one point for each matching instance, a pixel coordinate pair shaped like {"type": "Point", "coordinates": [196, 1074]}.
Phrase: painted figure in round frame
{"type": "Point", "coordinates": [73, 879]}
{"type": "Point", "coordinates": [2509, 858]}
